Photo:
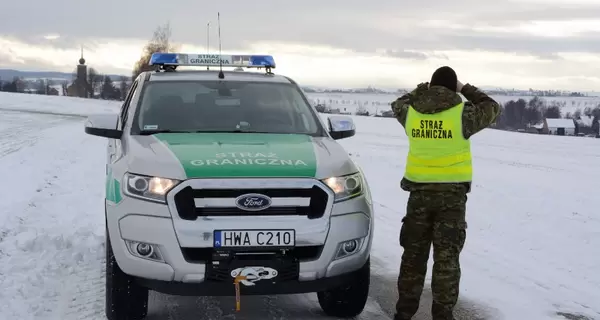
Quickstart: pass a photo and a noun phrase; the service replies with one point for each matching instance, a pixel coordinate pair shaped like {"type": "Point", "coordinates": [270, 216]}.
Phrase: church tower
{"type": "Point", "coordinates": [81, 81]}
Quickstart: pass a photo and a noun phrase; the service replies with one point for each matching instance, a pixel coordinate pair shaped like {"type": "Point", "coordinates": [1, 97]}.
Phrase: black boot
{"type": "Point", "coordinates": [398, 317]}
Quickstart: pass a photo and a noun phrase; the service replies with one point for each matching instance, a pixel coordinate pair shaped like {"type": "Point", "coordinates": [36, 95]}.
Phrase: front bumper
{"type": "Point", "coordinates": [177, 240]}
{"type": "Point", "coordinates": [209, 288]}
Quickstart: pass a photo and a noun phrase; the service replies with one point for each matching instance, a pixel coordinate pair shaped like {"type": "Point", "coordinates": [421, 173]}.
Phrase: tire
{"type": "Point", "coordinates": [125, 299]}
{"type": "Point", "coordinates": [348, 300]}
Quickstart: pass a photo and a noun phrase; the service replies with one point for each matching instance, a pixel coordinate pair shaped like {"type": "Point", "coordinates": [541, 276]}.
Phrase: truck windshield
{"type": "Point", "coordinates": [225, 106]}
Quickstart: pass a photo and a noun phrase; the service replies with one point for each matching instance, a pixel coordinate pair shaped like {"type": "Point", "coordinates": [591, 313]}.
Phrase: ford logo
{"type": "Point", "coordinates": [253, 202]}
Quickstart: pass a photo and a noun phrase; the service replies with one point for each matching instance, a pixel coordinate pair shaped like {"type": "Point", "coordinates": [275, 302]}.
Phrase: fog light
{"type": "Point", "coordinates": [144, 249]}
{"type": "Point", "coordinates": [350, 246]}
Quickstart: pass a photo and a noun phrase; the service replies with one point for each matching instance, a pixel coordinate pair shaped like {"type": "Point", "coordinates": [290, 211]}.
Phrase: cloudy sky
{"type": "Point", "coordinates": [542, 44]}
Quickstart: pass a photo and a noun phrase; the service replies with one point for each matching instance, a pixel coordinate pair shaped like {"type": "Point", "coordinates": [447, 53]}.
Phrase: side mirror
{"type": "Point", "coordinates": [341, 127]}
{"type": "Point", "coordinates": [103, 125]}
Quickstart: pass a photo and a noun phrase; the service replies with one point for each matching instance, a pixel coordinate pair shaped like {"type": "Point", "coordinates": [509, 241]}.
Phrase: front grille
{"type": "Point", "coordinates": [234, 193]}
{"type": "Point", "coordinates": [273, 211]}
{"type": "Point", "coordinates": [186, 198]}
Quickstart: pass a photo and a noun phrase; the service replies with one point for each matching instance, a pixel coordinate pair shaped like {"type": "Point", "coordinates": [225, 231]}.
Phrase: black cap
{"type": "Point", "coordinates": [445, 77]}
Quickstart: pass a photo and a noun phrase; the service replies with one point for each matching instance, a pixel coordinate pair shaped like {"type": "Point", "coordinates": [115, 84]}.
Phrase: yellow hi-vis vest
{"type": "Point", "coordinates": [438, 151]}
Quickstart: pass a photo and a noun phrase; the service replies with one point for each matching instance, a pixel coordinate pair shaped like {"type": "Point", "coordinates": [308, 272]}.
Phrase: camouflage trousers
{"type": "Point", "coordinates": [431, 218]}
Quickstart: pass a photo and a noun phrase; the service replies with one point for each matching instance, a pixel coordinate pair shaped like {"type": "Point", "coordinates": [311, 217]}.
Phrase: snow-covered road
{"type": "Point", "coordinates": [533, 225]}
{"type": "Point", "coordinates": [51, 240]}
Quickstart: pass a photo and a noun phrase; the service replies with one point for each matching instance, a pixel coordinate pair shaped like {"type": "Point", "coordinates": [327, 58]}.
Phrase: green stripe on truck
{"type": "Point", "coordinates": [218, 155]}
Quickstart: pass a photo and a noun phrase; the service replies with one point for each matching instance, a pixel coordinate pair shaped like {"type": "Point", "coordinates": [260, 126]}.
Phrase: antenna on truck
{"type": "Point", "coordinates": [221, 74]}
{"type": "Point", "coordinates": [208, 41]}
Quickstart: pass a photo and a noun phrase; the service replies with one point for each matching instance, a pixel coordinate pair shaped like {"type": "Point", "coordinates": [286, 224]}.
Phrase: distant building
{"type": "Point", "coordinates": [539, 127]}
{"type": "Point", "coordinates": [53, 92]}
{"type": "Point", "coordinates": [532, 130]}
{"type": "Point", "coordinates": [560, 127]}
{"type": "Point", "coordinates": [80, 86]}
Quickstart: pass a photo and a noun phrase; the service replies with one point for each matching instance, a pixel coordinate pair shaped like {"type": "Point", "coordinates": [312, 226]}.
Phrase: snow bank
{"type": "Point", "coordinates": [56, 104]}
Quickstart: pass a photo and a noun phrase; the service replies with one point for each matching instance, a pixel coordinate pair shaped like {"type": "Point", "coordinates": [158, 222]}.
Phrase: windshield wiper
{"type": "Point", "coordinates": [151, 132]}
{"type": "Point", "coordinates": [231, 131]}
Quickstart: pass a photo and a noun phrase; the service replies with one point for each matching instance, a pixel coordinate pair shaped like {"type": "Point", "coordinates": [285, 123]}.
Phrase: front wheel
{"type": "Point", "coordinates": [349, 299]}
{"type": "Point", "coordinates": [125, 299]}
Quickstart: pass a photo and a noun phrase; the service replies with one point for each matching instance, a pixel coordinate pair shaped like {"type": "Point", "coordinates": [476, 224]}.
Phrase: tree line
{"type": "Point", "coordinates": [100, 86]}
{"type": "Point", "coordinates": [103, 86]}
{"type": "Point", "coordinates": [521, 114]}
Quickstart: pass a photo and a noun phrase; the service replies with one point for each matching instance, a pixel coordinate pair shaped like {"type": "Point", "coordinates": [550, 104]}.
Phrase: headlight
{"type": "Point", "coordinates": [148, 188]}
{"type": "Point", "coordinates": [346, 187]}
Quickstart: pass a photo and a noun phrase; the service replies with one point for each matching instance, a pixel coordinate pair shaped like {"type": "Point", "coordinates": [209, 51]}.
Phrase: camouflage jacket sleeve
{"type": "Point", "coordinates": [400, 106]}
{"type": "Point", "coordinates": [479, 112]}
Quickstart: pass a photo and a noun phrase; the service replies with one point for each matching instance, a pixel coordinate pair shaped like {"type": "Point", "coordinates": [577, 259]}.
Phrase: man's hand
{"type": "Point", "coordinates": [459, 86]}
{"type": "Point", "coordinates": [422, 86]}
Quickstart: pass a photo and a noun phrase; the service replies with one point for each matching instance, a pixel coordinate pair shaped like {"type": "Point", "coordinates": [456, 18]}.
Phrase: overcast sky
{"type": "Point", "coordinates": [506, 43]}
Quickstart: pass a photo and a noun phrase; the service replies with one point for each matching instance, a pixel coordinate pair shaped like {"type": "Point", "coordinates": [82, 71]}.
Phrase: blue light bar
{"type": "Point", "coordinates": [211, 60]}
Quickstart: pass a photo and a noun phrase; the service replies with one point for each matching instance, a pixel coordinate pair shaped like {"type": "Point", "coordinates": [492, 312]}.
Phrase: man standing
{"type": "Point", "coordinates": [438, 176]}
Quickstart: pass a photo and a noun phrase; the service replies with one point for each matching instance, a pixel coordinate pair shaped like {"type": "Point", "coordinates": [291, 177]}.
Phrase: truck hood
{"type": "Point", "coordinates": [237, 155]}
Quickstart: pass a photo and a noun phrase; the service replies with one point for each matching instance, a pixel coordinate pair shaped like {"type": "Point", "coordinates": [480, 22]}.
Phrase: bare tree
{"type": "Point", "coordinates": [94, 80]}
{"type": "Point", "coordinates": [40, 86]}
{"type": "Point", "coordinates": [123, 86]}
{"type": "Point", "coordinates": [160, 42]}
{"type": "Point", "coordinates": [65, 87]}
{"type": "Point", "coordinates": [553, 112]}
{"type": "Point", "coordinates": [108, 90]}
{"type": "Point", "coordinates": [569, 115]}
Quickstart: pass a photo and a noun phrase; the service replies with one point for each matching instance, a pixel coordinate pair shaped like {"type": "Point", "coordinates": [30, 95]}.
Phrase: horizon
{"type": "Point", "coordinates": [507, 43]}
{"type": "Point", "coordinates": [486, 87]}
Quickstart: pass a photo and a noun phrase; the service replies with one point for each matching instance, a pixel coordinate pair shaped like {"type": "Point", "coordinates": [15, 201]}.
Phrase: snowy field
{"type": "Point", "coordinates": [376, 103]}
{"type": "Point", "coordinates": [531, 250]}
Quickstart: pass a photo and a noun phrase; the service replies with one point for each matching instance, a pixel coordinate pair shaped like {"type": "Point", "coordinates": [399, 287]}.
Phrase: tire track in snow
{"type": "Point", "coordinates": [83, 297]}
{"type": "Point", "coordinates": [19, 130]}
{"type": "Point", "coordinates": [51, 267]}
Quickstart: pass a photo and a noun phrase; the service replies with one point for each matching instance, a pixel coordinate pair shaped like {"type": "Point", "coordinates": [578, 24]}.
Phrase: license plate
{"type": "Point", "coordinates": [254, 238]}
